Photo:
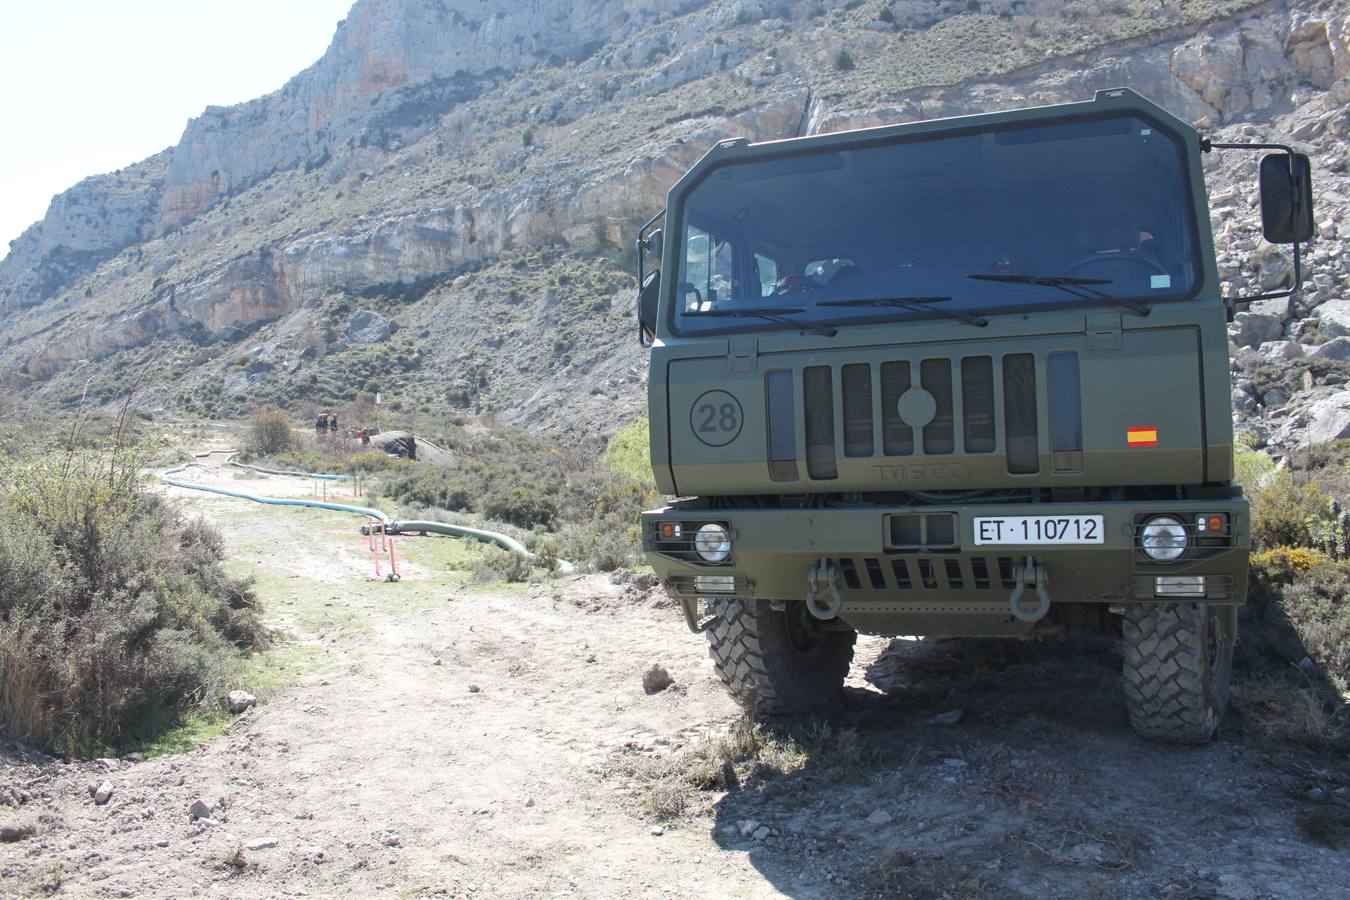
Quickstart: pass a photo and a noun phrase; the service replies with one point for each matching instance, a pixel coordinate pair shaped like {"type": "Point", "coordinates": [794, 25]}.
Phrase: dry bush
{"type": "Point", "coordinates": [673, 785]}
{"type": "Point", "coordinates": [500, 564]}
{"type": "Point", "coordinates": [114, 611]}
{"type": "Point", "coordinates": [1287, 513]}
{"type": "Point", "coordinates": [270, 432]}
{"type": "Point", "coordinates": [1285, 712]}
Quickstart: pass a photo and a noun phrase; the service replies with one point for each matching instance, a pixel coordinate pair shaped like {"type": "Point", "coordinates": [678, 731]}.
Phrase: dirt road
{"type": "Point", "coordinates": [441, 738]}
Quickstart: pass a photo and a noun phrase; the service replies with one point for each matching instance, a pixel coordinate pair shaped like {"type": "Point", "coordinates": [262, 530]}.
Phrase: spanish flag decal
{"type": "Point", "coordinates": [1142, 437]}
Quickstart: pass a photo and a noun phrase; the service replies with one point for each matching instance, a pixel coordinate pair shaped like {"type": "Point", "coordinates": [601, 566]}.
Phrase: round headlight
{"type": "Point", "coordinates": [1163, 539]}
{"type": "Point", "coordinates": [713, 543]}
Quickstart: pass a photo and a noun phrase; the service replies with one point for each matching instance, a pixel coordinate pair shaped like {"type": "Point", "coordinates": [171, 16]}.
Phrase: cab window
{"type": "Point", "coordinates": [709, 269]}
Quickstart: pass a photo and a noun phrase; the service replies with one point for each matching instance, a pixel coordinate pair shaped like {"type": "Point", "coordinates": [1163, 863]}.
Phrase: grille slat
{"type": "Point", "coordinates": [897, 438]}
{"type": "Point", "coordinates": [936, 377]}
{"type": "Point", "coordinates": [977, 403]}
{"type": "Point", "coordinates": [857, 386]}
{"type": "Point", "coordinates": [818, 397]}
{"type": "Point", "coordinates": [982, 404]}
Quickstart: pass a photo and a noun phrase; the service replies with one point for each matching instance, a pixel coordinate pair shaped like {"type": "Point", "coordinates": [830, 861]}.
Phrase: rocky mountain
{"type": "Point", "coordinates": [442, 207]}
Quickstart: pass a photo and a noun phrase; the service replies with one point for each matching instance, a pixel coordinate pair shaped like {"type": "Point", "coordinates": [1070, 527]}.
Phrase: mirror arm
{"type": "Point", "coordinates": [1207, 146]}
{"type": "Point", "coordinates": [644, 243]}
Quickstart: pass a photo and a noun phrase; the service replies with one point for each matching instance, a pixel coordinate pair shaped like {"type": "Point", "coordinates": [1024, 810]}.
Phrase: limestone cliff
{"type": "Point", "coordinates": [450, 161]}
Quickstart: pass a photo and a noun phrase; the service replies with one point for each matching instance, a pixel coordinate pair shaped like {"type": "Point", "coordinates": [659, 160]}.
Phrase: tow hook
{"type": "Point", "coordinates": [823, 597]}
{"type": "Point", "coordinates": [1031, 575]}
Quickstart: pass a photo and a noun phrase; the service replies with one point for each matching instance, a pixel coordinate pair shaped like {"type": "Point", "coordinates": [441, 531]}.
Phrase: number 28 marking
{"type": "Point", "coordinates": [716, 418]}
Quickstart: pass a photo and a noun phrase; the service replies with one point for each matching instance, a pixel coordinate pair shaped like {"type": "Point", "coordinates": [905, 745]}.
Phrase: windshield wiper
{"type": "Point", "coordinates": [1079, 287]}
{"type": "Point", "coordinates": [919, 304]}
{"type": "Point", "coordinates": [782, 314]}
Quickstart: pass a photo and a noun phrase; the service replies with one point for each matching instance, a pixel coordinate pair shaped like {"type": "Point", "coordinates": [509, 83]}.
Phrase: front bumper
{"type": "Point", "coordinates": [919, 587]}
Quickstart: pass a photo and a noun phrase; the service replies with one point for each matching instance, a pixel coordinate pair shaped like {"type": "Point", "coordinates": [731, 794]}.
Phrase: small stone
{"type": "Point", "coordinates": [207, 822]}
{"type": "Point", "coordinates": [390, 839]}
{"type": "Point", "coordinates": [239, 701]}
{"type": "Point", "coordinates": [261, 844]}
{"type": "Point", "coordinates": [436, 662]}
{"type": "Point", "coordinates": [748, 827]}
{"type": "Point", "coordinates": [474, 689]}
{"type": "Point", "coordinates": [103, 792]}
{"type": "Point", "coordinates": [1315, 795]}
{"type": "Point", "coordinates": [1087, 852]}
{"type": "Point", "coordinates": [11, 833]}
{"type": "Point", "coordinates": [656, 679]}
{"type": "Point", "coordinates": [947, 718]}
{"type": "Point", "coordinates": [954, 763]}
{"type": "Point", "coordinates": [761, 833]}
{"type": "Point", "coordinates": [657, 831]}
{"type": "Point", "coordinates": [1307, 665]}
{"type": "Point", "coordinates": [879, 817]}
{"type": "Point", "coordinates": [529, 801]}
{"type": "Point", "coordinates": [161, 843]}
{"type": "Point", "coordinates": [201, 808]}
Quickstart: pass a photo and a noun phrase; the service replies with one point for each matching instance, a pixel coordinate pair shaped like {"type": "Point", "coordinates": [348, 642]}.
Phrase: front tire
{"type": "Point", "coordinates": [778, 663]}
{"type": "Point", "coordinates": [1177, 671]}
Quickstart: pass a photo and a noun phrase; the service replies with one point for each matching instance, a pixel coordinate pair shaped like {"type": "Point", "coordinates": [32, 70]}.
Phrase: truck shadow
{"type": "Point", "coordinates": [1002, 768]}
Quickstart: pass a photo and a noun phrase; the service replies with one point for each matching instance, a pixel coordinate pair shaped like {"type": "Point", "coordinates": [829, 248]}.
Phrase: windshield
{"type": "Point", "coordinates": [1086, 213]}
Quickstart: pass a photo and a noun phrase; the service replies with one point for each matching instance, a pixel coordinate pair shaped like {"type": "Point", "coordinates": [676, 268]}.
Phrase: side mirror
{"type": "Point", "coordinates": [646, 308]}
{"type": "Point", "coordinates": [1286, 198]}
{"type": "Point", "coordinates": [654, 243]}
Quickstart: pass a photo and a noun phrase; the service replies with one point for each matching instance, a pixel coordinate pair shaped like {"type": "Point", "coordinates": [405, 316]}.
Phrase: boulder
{"type": "Point", "coordinates": [1337, 348]}
{"type": "Point", "coordinates": [1329, 419]}
{"type": "Point", "coordinates": [240, 700]}
{"type": "Point", "coordinates": [367, 327]}
{"type": "Point", "coordinates": [1281, 349]}
{"type": "Point", "coordinates": [1334, 317]}
{"type": "Point", "coordinates": [1252, 329]}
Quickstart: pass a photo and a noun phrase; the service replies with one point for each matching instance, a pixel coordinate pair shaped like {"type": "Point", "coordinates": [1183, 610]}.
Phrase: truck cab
{"type": "Point", "coordinates": [964, 377]}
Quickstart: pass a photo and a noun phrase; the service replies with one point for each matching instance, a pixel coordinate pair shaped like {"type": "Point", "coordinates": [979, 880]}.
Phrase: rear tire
{"type": "Point", "coordinates": [778, 663]}
{"type": "Point", "coordinates": [1177, 671]}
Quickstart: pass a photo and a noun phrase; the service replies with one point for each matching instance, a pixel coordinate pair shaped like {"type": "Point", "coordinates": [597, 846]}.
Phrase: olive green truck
{"type": "Point", "coordinates": [964, 377]}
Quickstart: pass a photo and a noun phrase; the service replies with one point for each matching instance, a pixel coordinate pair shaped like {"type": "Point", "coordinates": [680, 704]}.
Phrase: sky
{"type": "Point", "coordinates": [91, 86]}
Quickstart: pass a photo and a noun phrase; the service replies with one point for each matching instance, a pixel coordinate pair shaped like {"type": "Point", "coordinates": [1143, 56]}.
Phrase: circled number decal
{"type": "Point", "coordinates": [716, 418]}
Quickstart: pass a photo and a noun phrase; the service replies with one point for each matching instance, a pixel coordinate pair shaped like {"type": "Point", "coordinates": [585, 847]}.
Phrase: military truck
{"type": "Point", "coordinates": [962, 377]}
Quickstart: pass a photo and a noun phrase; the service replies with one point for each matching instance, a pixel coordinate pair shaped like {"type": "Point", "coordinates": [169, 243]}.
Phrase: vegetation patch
{"type": "Point", "coordinates": [115, 614]}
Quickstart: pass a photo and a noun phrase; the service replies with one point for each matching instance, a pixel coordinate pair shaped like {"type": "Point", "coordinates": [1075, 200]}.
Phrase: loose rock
{"type": "Point", "coordinates": [947, 718]}
{"type": "Point", "coordinates": [879, 817]}
{"type": "Point", "coordinates": [11, 833]}
{"type": "Point", "coordinates": [656, 679]}
{"type": "Point", "coordinates": [103, 792]}
{"type": "Point", "coordinates": [201, 808]}
{"type": "Point", "coordinates": [240, 701]}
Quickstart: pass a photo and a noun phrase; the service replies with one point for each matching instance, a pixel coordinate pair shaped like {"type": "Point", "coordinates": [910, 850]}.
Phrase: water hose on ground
{"type": "Point", "coordinates": [391, 526]}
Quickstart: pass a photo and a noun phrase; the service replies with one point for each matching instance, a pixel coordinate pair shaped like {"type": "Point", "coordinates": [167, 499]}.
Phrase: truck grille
{"type": "Point", "coordinates": [980, 404]}
{"type": "Point", "coordinates": [928, 573]}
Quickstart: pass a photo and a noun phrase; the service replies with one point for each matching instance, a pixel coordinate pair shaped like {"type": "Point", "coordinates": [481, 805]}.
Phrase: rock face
{"type": "Point", "coordinates": [436, 139]}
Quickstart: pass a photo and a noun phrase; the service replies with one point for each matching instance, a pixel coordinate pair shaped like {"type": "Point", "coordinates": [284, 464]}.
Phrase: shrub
{"type": "Point", "coordinates": [1317, 605]}
{"type": "Point", "coordinates": [114, 611]}
{"type": "Point", "coordinates": [844, 62]}
{"type": "Point", "coordinates": [270, 432]}
{"type": "Point", "coordinates": [1286, 513]}
{"type": "Point", "coordinates": [1281, 565]}
{"type": "Point", "coordinates": [499, 564]}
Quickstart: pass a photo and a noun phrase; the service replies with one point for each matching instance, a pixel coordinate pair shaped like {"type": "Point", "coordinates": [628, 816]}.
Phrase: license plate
{"type": "Point", "coordinates": [1028, 530]}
